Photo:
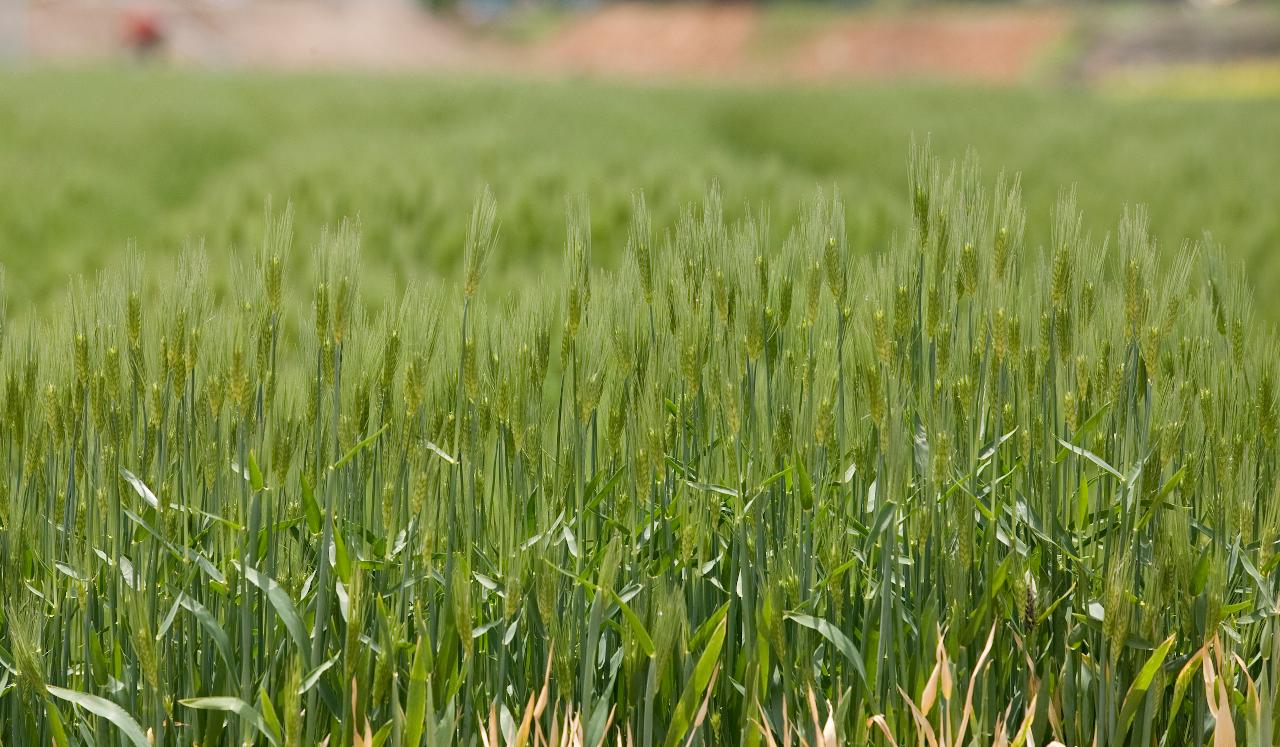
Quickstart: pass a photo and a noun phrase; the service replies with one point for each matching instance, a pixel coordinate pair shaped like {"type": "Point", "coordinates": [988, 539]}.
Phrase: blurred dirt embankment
{"type": "Point", "coordinates": [298, 34]}
{"type": "Point", "coordinates": [989, 44]}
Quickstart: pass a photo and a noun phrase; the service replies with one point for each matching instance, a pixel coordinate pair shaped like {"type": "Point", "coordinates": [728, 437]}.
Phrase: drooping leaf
{"type": "Point", "coordinates": [246, 712]}
{"type": "Point", "coordinates": [140, 488]}
{"type": "Point", "coordinates": [106, 709]}
{"type": "Point", "coordinates": [835, 637]}
{"type": "Point", "coordinates": [284, 607]}
{"type": "Point", "coordinates": [1082, 452]}
{"type": "Point", "coordinates": [210, 623]}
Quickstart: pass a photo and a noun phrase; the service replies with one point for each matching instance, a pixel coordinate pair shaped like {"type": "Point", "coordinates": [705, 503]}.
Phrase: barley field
{"type": "Point", "coordinates": [752, 462]}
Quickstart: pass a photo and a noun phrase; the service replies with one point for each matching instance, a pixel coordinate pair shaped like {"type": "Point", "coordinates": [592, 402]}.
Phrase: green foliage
{"type": "Point", "coordinates": [99, 159]}
{"type": "Point", "coordinates": [733, 490]}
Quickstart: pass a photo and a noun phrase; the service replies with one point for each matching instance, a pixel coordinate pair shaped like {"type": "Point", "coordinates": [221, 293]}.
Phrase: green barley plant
{"type": "Point", "coordinates": [737, 490]}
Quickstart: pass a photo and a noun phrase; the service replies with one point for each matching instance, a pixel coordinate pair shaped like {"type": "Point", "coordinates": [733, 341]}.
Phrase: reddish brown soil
{"type": "Point", "coordinates": [647, 39]}
{"type": "Point", "coordinates": [996, 46]}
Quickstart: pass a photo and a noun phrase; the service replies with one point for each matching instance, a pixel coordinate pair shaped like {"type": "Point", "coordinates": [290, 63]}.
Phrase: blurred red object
{"type": "Point", "coordinates": [143, 32]}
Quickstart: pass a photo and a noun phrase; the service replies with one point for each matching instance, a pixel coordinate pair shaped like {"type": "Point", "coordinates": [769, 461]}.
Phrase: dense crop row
{"type": "Point", "coordinates": [94, 159]}
{"type": "Point", "coordinates": [735, 492]}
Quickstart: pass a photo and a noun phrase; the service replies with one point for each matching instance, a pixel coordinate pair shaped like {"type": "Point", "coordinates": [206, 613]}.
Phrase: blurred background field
{"type": "Point", "coordinates": [397, 114]}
